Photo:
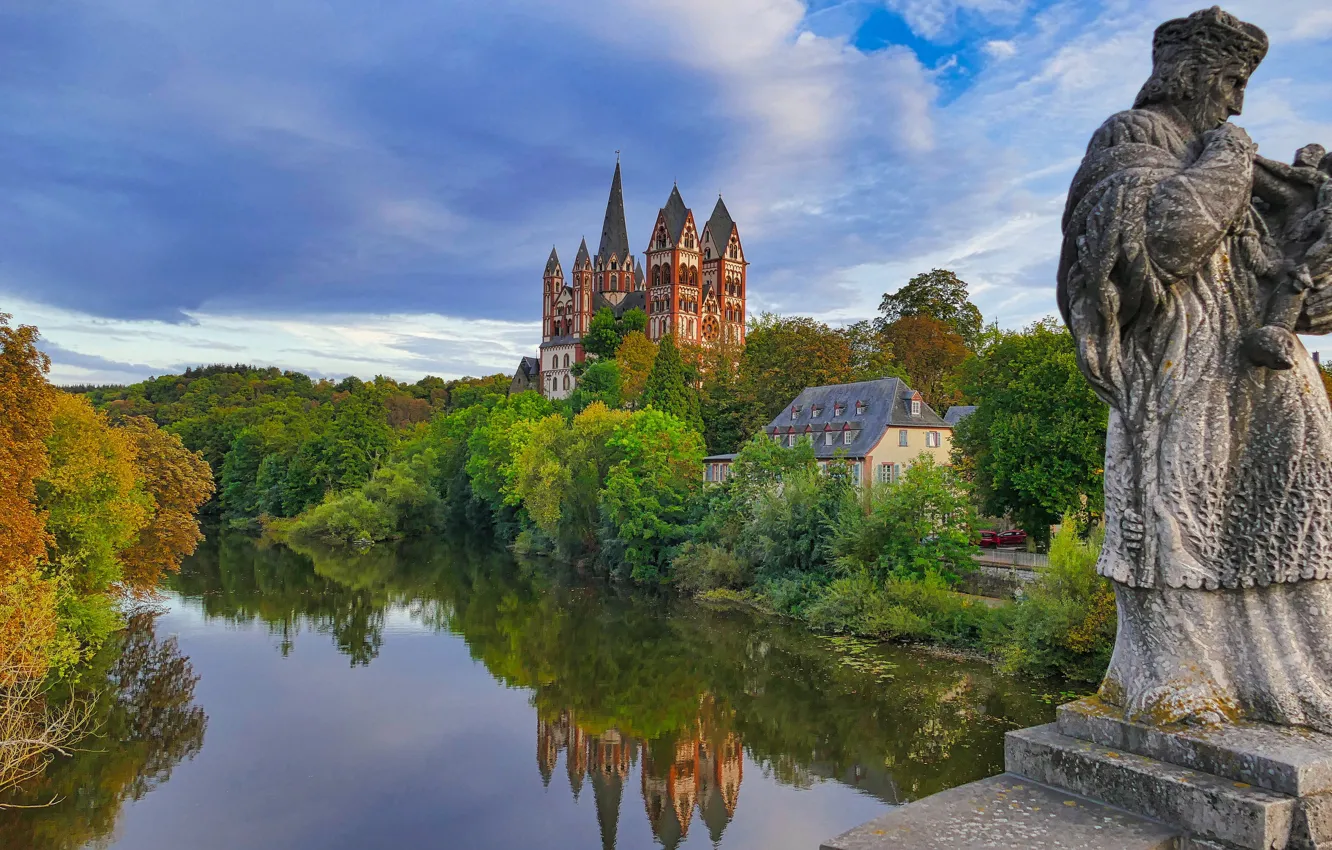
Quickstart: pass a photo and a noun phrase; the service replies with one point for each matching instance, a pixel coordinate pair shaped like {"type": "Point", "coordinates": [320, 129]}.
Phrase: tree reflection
{"type": "Point", "coordinates": [146, 721]}
{"type": "Point", "coordinates": [680, 691]}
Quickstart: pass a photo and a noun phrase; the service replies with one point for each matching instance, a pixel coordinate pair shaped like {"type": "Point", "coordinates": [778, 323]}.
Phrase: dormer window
{"type": "Point", "coordinates": [915, 407]}
{"type": "Point", "coordinates": [828, 437]}
{"type": "Point", "coordinates": [838, 409]}
{"type": "Point", "coordinates": [849, 436]}
{"type": "Point", "coordinates": [860, 408]}
{"type": "Point", "coordinates": [795, 410]}
{"type": "Point", "coordinates": [815, 411]}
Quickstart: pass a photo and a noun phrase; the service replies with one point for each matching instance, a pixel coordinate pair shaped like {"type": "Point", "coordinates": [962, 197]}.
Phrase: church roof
{"type": "Point", "coordinates": [628, 302]}
{"type": "Point", "coordinates": [582, 255]}
{"type": "Point", "coordinates": [676, 214]}
{"type": "Point", "coordinates": [553, 264]}
{"type": "Point", "coordinates": [720, 224]}
{"type": "Point", "coordinates": [529, 367]}
{"type": "Point", "coordinates": [614, 233]}
{"type": "Point", "coordinates": [638, 275]}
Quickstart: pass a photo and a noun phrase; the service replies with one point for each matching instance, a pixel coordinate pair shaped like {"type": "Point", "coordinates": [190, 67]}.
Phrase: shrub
{"type": "Point", "coordinates": [1065, 622]}
{"type": "Point", "coordinates": [702, 567]}
{"type": "Point", "coordinates": [350, 518]}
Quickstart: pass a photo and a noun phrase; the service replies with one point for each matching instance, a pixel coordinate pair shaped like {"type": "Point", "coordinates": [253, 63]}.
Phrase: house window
{"type": "Point", "coordinates": [790, 441]}
{"type": "Point", "coordinates": [814, 410]}
{"type": "Point", "coordinates": [828, 437]}
{"type": "Point", "coordinates": [902, 437]}
{"type": "Point", "coordinates": [855, 472]}
{"type": "Point", "coordinates": [885, 475]}
{"type": "Point", "coordinates": [860, 408]}
{"type": "Point", "coordinates": [838, 409]}
{"type": "Point", "coordinates": [795, 411]}
{"type": "Point", "coordinates": [915, 407]}
{"type": "Point", "coordinates": [932, 439]}
{"type": "Point", "coordinates": [848, 436]}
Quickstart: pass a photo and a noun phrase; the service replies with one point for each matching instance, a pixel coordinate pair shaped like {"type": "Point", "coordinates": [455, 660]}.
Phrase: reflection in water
{"type": "Point", "coordinates": [701, 770]}
{"type": "Point", "coordinates": [679, 693]}
{"type": "Point", "coordinates": [651, 672]}
{"type": "Point", "coordinates": [146, 722]}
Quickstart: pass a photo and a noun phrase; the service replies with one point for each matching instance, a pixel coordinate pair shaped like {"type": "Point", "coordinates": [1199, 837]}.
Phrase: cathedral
{"type": "Point", "coordinates": [690, 284]}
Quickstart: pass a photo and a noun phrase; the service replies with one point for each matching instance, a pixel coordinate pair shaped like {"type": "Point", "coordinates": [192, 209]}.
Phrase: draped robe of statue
{"type": "Point", "coordinates": [1225, 610]}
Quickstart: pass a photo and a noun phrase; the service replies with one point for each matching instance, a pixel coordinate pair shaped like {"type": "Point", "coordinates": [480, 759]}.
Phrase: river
{"type": "Point", "coordinates": [442, 696]}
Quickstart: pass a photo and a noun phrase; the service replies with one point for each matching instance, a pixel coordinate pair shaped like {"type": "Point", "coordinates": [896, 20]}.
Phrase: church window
{"type": "Point", "coordinates": [707, 253]}
{"type": "Point", "coordinates": [615, 283]}
{"type": "Point", "coordinates": [566, 382]}
{"type": "Point", "coordinates": [656, 275]}
{"type": "Point", "coordinates": [566, 361]}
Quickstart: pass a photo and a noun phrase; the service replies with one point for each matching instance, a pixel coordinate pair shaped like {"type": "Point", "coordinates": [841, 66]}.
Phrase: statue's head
{"type": "Point", "coordinates": [1201, 65]}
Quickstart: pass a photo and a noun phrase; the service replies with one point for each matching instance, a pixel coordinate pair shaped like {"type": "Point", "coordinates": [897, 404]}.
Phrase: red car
{"type": "Point", "coordinates": [1013, 537]}
{"type": "Point", "coordinates": [989, 538]}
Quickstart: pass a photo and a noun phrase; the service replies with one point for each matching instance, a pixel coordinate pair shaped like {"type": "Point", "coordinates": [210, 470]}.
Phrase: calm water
{"type": "Point", "coordinates": [440, 697]}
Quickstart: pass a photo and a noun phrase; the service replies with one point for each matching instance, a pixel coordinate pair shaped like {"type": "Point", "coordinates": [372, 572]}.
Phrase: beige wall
{"type": "Point", "coordinates": [887, 449]}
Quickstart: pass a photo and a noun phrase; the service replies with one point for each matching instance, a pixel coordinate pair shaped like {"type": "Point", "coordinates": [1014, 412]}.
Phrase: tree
{"type": "Point", "coordinates": [1036, 444]}
{"type": "Point", "coordinates": [932, 355]}
{"type": "Point", "coordinates": [783, 356]}
{"type": "Point", "coordinates": [722, 402]}
{"type": "Point", "coordinates": [27, 406]}
{"type": "Point", "coordinates": [871, 352]}
{"type": "Point", "coordinates": [646, 493]}
{"type": "Point", "coordinates": [179, 482]}
{"type": "Point", "coordinates": [666, 389]}
{"type": "Point", "coordinates": [635, 357]}
{"type": "Point", "coordinates": [96, 505]}
{"type": "Point", "coordinates": [602, 337]}
{"type": "Point", "coordinates": [938, 294]}
{"type": "Point", "coordinates": [27, 409]}
{"type": "Point", "coordinates": [634, 320]}
{"type": "Point", "coordinates": [601, 382]}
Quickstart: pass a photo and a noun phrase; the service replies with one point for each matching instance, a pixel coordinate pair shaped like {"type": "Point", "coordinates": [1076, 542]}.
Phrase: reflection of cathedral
{"type": "Point", "coordinates": [700, 770]}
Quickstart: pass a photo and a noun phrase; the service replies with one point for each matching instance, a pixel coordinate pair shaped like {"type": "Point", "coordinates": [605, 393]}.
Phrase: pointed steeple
{"type": "Point", "coordinates": [614, 233]}
{"type": "Point", "coordinates": [676, 214]}
{"type": "Point", "coordinates": [720, 225]}
{"type": "Point", "coordinates": [582, 255]}
{"type": "Point", "coordinates": [553, 264]}
{"type": "Point", "coordinates": [608, 788]}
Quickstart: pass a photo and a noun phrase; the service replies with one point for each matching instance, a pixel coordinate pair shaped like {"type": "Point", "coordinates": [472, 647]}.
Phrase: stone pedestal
{"type": "Point", "coordinates": [1095, 780]}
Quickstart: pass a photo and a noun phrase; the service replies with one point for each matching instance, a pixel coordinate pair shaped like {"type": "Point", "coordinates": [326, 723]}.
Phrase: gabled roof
{"type": "Point", "coordinates": [614, 233]}
{"type": "Point", "coordinates": [958, 412]}
{"type": "Point", "coordinates": [676, 214]}
{"type": "Point", "coordinates": [638, 276]}
{"type": "Point", "coordinates": [628, 302]}
{"type": "Point", "coordinates": [553, 264]}
{"type": "Point", "coordinates": [529, 367]}
{"type": "Point", "coordinates": [720, 225]}
{"type": "Point", "coordinates": [887, 405]}
{"type": "Point", "coordinates": [582, 255]}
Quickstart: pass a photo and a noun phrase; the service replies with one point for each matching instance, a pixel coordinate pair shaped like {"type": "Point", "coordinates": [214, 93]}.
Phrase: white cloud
{"type": "Point", "coordinates": [406, 347]}
{"type": "Point", "coordinates": [1000, 50]}
{"type": "Point", "coordinates": [933, 18]}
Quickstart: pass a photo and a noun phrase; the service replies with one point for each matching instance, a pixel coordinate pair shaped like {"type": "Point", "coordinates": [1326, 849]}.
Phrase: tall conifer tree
{"type": "Point", "coordinates": [666, 388]}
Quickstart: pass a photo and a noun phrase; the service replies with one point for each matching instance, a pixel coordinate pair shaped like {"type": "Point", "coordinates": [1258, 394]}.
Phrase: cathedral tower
{"type": "Point", "coordinates": [613, 272]}
{"type": "Point", "coordinates": [582, 290]}
{"type": "Point", "coordinates": [723, 278]}
{"type": "Point", "coordinates": [674, 264]}
{"type": "Point", "coordinates": [553, 287]}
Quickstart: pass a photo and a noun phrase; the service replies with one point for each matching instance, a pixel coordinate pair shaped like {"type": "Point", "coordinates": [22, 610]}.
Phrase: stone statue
{"type": "Point", "coordinates": [1188, 264]}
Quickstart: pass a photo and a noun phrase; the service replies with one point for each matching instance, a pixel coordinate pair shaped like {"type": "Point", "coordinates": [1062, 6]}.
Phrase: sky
{"type": "Point", "coordinates": [341, 187]}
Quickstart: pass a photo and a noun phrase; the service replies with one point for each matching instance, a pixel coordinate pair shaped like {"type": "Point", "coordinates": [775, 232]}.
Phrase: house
{"type": "Point", "coordinates": [879, 427]}
{"type": "Point", "coordinates": [957, 413]}
{"type": "Point", "coordinates": [717, 468]}
{"type": "Point", "coordinates": [527, 377]}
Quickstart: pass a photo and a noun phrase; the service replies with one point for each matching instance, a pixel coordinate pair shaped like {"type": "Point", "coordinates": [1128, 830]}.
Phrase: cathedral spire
{"type": "Point", "coordinates": [614, 233]}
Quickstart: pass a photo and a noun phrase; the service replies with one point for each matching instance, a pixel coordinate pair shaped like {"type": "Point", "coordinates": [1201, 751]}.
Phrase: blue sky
{"type": "Point", "coordinates": [351, 188]}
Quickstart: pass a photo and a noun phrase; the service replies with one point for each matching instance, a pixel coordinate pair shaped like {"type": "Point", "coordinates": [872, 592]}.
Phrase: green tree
{"type": "Point", "coordinates": [603, 336]}
{"type": "Point", "coordinates": [601, 382]}
{"type": "Point", "coordinates": [635, 357]}
{"type": "Point", "coordinates": [1036, 444]}
{"type": "Point", "coordinates": [666, 389]}
{"type": "Point", "coordinates": [634, 319]}
{"type": "Point", "coordinates": [782, 356]}
{"type": "Point", "coordinates": [932, 355]}
{"type": "Point", "coordinates": [646, 494]}
{"type": "Point", "coordinates": [939, 294]}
